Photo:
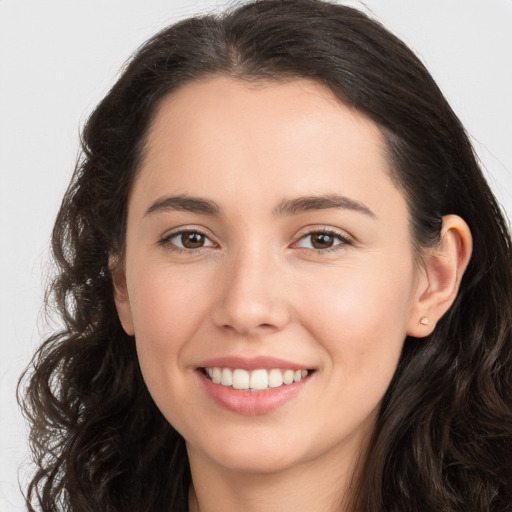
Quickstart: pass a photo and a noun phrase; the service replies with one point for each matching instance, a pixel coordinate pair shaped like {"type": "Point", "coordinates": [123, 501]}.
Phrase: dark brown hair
{"type": "Point", "coordinates": [443, 440]}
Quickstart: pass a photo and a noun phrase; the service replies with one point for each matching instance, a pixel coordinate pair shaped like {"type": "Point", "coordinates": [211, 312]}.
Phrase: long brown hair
{"type": "Point", "coordinates": [443, 439]}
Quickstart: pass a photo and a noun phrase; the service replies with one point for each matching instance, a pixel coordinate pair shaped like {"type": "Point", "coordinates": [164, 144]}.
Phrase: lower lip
{"type": "Point", "coordinates": [252, 403]}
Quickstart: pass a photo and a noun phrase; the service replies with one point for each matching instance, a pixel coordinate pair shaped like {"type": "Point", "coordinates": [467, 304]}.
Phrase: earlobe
{"type": "Point", "coordinates": [443, 268]}
{"type": "Point", "coordinates": [121, 297]}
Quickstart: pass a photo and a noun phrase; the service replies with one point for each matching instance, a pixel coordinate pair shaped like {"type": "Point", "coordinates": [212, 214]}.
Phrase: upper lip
{"type": "Point", "coordinates": [252, 363]}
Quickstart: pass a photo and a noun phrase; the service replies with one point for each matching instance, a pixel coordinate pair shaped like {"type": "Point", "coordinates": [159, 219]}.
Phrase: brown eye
{"type": "Point", "coordinates": [187, 240]}
{"type": "Point", "coordinates": [322, 240]}
{"type": "Point", "coordinates": [192, 240]}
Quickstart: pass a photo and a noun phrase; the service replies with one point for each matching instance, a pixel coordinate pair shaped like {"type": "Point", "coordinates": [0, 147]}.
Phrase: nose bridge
{"type": "Point", "coordinates": [250, 298]}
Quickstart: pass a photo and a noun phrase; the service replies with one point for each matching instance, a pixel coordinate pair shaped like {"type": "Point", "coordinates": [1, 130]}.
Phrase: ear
{"type": "Point", "coordinates": [442, 271]}
{"type": "Point", "coordinates": [121, 298]}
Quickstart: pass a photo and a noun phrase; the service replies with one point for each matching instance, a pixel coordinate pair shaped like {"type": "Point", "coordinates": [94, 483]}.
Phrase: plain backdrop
{"type": "Point", "coordinates": [57, 60]}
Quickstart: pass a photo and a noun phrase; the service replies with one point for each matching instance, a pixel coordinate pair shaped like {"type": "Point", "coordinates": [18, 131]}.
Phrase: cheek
{"type": "Point", "coordinates": [168, 308]}
{"type": "Point", "coordinates": [167, 304]}
{"type": "Point", "coordinates": [360, 316]}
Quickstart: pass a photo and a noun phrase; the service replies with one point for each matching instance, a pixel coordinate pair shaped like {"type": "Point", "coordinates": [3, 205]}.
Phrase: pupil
{"type": "Point", "coordinates": [322, 240]}
{"type": "Point", "coordinates": [192, 240]}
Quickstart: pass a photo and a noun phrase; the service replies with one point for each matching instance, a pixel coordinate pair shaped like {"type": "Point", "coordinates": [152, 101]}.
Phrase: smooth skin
{"type": "Point", "coordinates": [252, 272]}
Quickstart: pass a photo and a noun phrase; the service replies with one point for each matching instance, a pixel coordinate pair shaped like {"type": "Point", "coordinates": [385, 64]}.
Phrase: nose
{"type": "Point", "coordinates": [252, 295]}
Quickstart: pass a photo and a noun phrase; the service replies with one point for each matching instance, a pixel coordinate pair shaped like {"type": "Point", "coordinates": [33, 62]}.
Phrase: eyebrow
{"type": "Point", "coordinates": [295, 206]}
{"type": "Point", "coordinates": [324, 202]}
{"type": "Point", "coordinates": [183, 203]}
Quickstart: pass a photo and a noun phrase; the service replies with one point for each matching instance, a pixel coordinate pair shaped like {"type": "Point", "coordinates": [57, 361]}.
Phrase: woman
{"type": "Point", "coordinates": [284, 280]}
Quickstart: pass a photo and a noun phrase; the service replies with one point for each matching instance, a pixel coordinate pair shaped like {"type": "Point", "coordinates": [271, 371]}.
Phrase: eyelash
{"type": "Point", "coordinates": [166, 241]}
{"type": "Point", "coordinates": [343, 241]}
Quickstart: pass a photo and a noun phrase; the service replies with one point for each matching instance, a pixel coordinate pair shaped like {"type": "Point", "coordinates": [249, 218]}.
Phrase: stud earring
{"type": "Point", "coordinates": [424, 320]}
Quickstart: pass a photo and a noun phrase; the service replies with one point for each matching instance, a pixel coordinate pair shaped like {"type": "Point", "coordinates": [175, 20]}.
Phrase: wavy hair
{"type": "Point", "coordinates": [443, 439]}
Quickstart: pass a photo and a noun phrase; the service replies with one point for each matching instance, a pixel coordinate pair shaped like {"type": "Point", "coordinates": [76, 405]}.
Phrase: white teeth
{"type": "Point", "coordinates": [288, 376]}
{"type": "Point", "coordinates": [240, 379]}
{"type": "Point", "coordinates": [275, 378]}
{"type": "Point", "coordinates": [216, 375]}
{"type": "Point", "coordinates": [257, 380]}
{"type": "Point", "coordinates": [226, 377]}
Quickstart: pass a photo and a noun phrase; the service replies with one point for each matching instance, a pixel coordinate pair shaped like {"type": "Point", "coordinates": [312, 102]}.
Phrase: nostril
{"type": "Point", "coordinates": [248, 329]}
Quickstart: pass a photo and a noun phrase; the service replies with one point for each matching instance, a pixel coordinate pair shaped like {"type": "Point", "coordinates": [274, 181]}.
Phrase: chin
{"type": "Point", "coordinates": [254, 453]}
{"type": "Point", "coordinates": [251, 462]}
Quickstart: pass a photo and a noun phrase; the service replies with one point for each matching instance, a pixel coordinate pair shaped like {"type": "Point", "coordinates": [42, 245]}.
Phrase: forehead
{"type": "Point", "coordinates": [286, 138]}
{"type": "Point", "coordinates": [273, 111]}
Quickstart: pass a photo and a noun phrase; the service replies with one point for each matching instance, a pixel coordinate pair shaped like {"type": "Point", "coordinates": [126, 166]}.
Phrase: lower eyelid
{"type": "Point", "coordinates": [166, 240]}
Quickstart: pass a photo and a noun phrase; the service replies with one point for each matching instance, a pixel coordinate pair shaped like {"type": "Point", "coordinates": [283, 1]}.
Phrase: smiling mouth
{"type": "Point", "coordinates": [255, 380]}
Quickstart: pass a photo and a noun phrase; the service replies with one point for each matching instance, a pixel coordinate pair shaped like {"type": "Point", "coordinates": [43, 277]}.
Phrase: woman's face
{"type": "Point", "coordinates": [266, 241]}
